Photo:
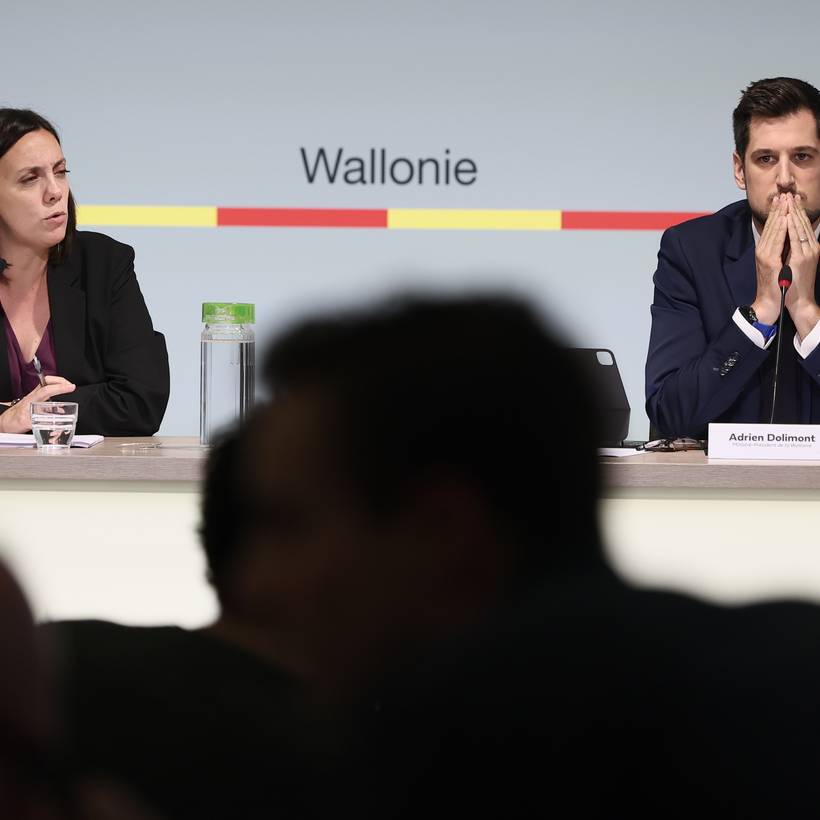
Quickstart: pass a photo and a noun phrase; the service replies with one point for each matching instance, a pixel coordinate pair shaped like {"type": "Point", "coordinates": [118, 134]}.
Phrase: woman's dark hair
{"type": "Point", "coordinates": [15, 123]}
{"type": "Point", "coordinates": [772, 98]}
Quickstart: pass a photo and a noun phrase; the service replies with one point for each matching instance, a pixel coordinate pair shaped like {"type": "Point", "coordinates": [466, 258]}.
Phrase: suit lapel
{"type": "Point", "coordinates": [67, 305]}
{"type": "Point", "coordinates": [739, 264]}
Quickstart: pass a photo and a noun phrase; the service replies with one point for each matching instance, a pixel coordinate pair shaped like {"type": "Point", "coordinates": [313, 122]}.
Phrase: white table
{"type": "Point", "coordinates": [728, 531]}
{"type": "Point", "coordinates": [111, 532]}
{"type": "Point", "coordinates": [108, 532]}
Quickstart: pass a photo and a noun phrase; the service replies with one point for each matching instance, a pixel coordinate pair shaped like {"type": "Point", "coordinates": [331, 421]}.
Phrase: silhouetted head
{"type": "Point", "coordinates": [423, 463]}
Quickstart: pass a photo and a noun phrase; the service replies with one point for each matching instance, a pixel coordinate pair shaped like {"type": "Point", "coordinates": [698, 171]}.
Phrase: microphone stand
{"type": "Point", "coordinates": [784, 280]}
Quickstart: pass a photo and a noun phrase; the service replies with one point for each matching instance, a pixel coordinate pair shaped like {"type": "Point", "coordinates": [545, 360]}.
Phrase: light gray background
{"type": "Point", "coordinates": [566, 106]}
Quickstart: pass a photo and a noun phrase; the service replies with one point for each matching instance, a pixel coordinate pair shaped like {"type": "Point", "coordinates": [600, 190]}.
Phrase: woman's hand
{"type": "Point", "coordinates": [17, 419]}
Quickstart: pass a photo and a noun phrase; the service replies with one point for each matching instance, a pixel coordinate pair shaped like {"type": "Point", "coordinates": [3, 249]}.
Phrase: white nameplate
{"type": "Point", "coordinates": [761, 441]}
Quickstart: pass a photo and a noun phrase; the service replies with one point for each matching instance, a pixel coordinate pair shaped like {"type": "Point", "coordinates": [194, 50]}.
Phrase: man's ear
{"type": "Point", "coordinates": [739, 171]}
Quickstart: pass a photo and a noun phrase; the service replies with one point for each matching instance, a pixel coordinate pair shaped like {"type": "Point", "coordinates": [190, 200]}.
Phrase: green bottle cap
{"type": "Point", "coordinates": [228, 313]}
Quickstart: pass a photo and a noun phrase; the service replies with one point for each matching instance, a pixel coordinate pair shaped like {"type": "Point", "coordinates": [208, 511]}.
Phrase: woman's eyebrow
{"type": "Point", "coordinates": [30, 168]}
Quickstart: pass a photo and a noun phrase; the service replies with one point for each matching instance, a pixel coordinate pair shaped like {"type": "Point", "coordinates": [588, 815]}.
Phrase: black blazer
{"type": "Point", "coordinates": [104, 341]}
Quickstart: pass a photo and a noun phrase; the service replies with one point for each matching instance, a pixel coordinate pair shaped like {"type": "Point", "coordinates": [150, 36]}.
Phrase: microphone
{"type": "Point", "coordinates": [784, 281]}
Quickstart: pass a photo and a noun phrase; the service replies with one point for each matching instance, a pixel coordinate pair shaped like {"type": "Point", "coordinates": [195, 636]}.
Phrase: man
{"type": "Point", "coordinates": [410, 538]}
{"type": "Point", "coordinates": [417, 472]}
{"type": "Point", "coordinates": [715, 314]}
{"type": "Point", "coordinates": [402, 488]}
{"type": "Point", "coordinates": [420, 512]}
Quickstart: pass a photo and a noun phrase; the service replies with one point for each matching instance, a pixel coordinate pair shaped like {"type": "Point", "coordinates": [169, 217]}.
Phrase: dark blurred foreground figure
{"type": "Point", "coordinates": [382, 504]}
{"type": "Point", "coordinates": [421, 504]}
{"type": "Point", "coordinates": [197, 723]}
{"type": "Point", "coordinates": [33, 783]}
{"type": "Point", "coordinates": [25, 714]}
{"type": "Point", "coordinates": [410, 543]}
{"type": "Point", "coordinates": [406, 482]}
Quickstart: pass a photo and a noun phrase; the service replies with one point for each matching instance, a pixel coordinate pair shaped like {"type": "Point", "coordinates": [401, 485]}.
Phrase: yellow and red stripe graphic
{"type": "Point", "coordinates": [447, 219]}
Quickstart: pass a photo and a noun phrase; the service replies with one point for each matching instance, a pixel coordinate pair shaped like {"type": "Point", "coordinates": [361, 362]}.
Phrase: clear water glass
{"type": "Point", "coordinates": [53, 424]}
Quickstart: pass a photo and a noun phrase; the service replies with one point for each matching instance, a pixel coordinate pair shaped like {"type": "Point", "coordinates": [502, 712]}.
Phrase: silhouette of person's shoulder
{"type": "Point", "coordinates": [616, 701]}
{"type": "Point", "coordinates": [193, 724]}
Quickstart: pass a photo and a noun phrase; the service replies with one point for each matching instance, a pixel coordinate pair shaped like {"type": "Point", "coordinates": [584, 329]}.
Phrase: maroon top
{"type": "Point", "coordinates": [23, 375]}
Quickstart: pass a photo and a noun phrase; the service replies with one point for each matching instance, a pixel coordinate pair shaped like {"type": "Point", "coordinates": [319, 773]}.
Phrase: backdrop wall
{"type": "Point", "coordinates": [569, 108]}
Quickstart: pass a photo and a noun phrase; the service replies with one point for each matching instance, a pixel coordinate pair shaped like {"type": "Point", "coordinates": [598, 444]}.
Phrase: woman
{"type": "Point", "coordinates": [71, 306]}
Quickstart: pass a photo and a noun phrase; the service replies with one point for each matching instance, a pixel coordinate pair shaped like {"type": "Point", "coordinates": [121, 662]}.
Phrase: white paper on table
{"type": "Point", "coordinates": [27, 440]}
{"type": "Point", "coordinates": [619, 452]}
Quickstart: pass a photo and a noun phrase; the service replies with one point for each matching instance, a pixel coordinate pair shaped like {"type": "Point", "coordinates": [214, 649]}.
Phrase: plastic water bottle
{"type": "Point", "coordinates": [227, 366]}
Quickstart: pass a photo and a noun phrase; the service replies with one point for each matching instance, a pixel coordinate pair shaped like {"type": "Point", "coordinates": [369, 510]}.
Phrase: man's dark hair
{"type": "Point", "coordinates": [772, 98]}
{"type": "Point", "coordinates": [15, 123]}
{"type": "Point", "coordinates": [472, 385]}
{"type": "Point", "coordinates": [221, 514]}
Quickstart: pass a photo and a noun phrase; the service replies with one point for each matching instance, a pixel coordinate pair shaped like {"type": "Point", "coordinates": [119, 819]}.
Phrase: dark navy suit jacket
{"type": "Point", "coordinates": [104, 340]}
{"type": "Point", "coordinates": [701, 368]}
